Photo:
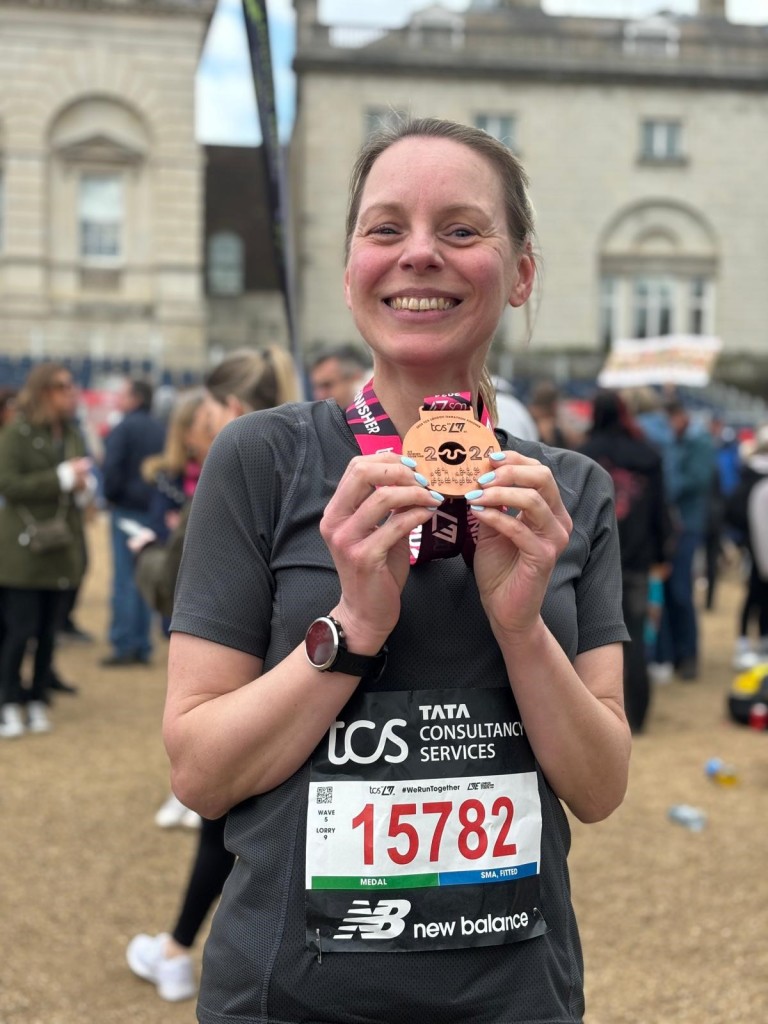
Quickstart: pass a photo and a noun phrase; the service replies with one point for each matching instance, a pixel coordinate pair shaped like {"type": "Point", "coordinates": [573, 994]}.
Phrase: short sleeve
{"type": "Point", "coordinates": [599, 586]}
{"type": "Point", "coordinates": [225, 585]}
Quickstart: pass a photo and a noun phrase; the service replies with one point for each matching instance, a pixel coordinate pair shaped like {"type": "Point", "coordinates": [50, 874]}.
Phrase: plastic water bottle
{"type": "Point", "coordinates": [720, 772]}
{"type": "Point", "coordinates": [689, 817]}
{"type": "Point", "coordinates": [758, 716]}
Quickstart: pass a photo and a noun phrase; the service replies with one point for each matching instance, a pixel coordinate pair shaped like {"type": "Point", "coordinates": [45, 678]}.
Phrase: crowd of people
{"type": "Point", "coordinates": [315, 536]}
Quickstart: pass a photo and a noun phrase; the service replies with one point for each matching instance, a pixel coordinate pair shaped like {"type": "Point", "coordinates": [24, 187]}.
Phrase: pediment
{"type": "Point", "coordinates": [104, 149]}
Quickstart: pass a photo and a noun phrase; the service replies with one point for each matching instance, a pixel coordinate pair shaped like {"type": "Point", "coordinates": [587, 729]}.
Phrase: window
{"type": "Point", "coordinates": [699, 306]}
{"type": "Point", "coordinates": [661, 141]}
{"type": "Point", "coordinates": [608, 311]}
{"type": "Point", "coordinates": [382, 117]}
{"type": "Point", "coordinates": [652, 307]}
{"type": "Point", "coordinates": [226, 264]}
{"type": "Point", "coordinates": [500, 126]}
{"type": "Point", "coordinates": [100, 213]}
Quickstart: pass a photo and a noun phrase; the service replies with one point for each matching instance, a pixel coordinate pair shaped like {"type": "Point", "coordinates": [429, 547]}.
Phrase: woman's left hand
{"type": "Point", "coordinates": [516, 554]}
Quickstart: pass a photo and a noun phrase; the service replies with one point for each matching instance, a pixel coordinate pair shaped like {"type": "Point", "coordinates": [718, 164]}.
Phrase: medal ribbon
{"type": "Point", "coordinates": [452, 529]}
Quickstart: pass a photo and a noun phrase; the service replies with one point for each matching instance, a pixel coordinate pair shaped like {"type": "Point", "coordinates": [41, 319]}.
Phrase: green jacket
{"type": "Point", "coordinates": [28, 478]}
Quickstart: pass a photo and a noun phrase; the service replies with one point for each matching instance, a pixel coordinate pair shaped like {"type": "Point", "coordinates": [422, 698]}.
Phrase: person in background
{"type": "Point", "coordinates": [616, 443]}
{"type": "Point", "coordinates": [45, 478]}
{"type": "Point", "coordinates": [8, 413]}
{"type": "Point", "coordinates": [318, 648]}
{"type": "Point", "coordinates": [544, 406]}
{"type": "Point", "coordinates": [248, 381]}
{"type": "Point", "coordinates": [512, 413]}
{"type": "Point", "coordinates": [747, 513]}
{"type": "Point", "coordinates": [338, 373]}
{"type": "Point", "coordinates": [137, 436]}
{"type": "Point", "coordinates": [691, 469]}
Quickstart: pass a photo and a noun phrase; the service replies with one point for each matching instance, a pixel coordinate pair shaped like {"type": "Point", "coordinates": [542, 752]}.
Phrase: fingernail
{"type": "Point", "coordinates": [437, 497]}
{"type": "Point", "coordinates": [487, 478]}
{"type": "Point", "coordinates": [410, 463]}
{"type": "Point", "coordinates": [498, 456]}
{"type": "Point", "coordinates": [478, 508]}
{"type": "Point", "coordinates": [421, 479]}
{"type": "Point", "coordinates": [471, 495]}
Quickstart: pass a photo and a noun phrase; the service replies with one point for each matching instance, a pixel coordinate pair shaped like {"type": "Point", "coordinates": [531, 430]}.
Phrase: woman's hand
{"type": "Point", "coordinates": [516, 553]}
{"type": "Point", "coordinates": [378, 502]}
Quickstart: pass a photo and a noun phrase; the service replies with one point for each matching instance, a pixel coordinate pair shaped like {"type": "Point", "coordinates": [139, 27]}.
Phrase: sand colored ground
{"type": "Point", "coordinates": [674, 924]}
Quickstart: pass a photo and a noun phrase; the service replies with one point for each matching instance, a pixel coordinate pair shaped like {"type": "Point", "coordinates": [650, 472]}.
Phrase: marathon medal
{"type": "Point", "coordinates": [451, 448]}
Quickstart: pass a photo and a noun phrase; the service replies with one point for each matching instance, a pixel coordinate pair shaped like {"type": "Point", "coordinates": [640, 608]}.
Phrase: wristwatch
{"type": "Point", "coordinates": [326, 648]}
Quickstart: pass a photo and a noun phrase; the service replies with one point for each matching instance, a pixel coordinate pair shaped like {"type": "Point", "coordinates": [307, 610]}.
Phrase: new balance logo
{"type": "Point", "coordinates": [445, 526]}
{"type": "Point", "coordinates": [384, 921]}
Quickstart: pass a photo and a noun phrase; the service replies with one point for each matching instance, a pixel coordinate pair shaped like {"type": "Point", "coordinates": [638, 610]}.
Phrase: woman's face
{"type": "Point", "coordinates": [432, 265]}
{"type": "Point", "coordinates": [62, 397]}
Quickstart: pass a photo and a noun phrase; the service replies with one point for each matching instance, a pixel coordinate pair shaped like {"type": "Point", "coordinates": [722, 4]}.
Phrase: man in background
{"type": "Point", "coordinates": [138, 435]}
{"type": "Point", "coordinates": [338, 373]}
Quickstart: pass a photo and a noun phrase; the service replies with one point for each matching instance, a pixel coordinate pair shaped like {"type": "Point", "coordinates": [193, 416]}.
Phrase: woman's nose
{"type": "Point", "coordinates": [421, 252]}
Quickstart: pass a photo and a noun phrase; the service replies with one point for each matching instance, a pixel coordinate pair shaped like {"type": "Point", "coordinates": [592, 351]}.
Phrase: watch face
{"type": "Point", "coordinates": [322, 643]}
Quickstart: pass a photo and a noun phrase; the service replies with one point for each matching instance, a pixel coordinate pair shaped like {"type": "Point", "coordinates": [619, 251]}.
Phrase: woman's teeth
{"type": "Point", "coordinates": [414, 305]}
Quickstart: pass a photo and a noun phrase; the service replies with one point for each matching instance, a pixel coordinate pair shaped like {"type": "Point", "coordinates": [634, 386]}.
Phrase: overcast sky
{"type": "Point", "coordinates": [226, 107]}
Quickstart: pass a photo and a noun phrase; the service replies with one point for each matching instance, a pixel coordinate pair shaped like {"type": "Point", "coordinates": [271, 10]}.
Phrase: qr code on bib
{"type": "Point", "coordinates": [325, 794]}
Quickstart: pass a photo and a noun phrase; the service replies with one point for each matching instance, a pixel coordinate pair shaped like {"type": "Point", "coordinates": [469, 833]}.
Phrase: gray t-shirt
{"type": "Point", "coordinates": [255, 573]}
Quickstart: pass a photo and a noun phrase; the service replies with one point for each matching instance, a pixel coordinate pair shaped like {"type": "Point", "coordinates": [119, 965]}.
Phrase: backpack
{"type": "Point", "coordinates": [748, 688]}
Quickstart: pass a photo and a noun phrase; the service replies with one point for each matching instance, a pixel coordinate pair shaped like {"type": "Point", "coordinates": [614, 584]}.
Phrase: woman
{"type": "Point", "coordinates": [45, 479]}
{"type": "Point", "coordinates": [473, 691]}
{"type": "Point", "coordinates": [645, 531]}
{"type": "Point", "coordinates": [243, 381]}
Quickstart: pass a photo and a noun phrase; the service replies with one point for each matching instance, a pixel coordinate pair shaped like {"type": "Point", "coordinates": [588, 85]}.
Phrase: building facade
{"type": "Point", "coordinates": [101, 180]}
{"type": "Point", "coordinates": [646, 143]}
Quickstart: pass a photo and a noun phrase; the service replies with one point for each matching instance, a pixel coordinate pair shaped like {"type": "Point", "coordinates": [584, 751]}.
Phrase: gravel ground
{"type": "Point", "coordinates": [674, 923]}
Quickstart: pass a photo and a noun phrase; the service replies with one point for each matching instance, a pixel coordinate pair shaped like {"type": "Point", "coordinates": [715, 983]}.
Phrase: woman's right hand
{"type": "Point", "coordinates": [366, 525]}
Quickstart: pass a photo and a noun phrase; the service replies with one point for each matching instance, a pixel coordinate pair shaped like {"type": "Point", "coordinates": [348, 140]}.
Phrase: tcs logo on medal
{"type": "Point", "coordinates": [387, 740]}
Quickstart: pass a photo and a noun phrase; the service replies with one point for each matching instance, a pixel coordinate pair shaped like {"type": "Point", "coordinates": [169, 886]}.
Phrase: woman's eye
{"type": "Point", "coordinates": [384, 229]}
{"type": "Point", "coordinates": [461, 232]}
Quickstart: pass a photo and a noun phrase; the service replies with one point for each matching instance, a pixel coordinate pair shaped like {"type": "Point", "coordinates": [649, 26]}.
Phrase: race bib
{"type": "Point", "coordinates": [423, 825]}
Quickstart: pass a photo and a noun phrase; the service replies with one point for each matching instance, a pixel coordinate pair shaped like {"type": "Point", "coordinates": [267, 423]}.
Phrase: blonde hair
{"type": "Point", "coordinates": [512, 178]}
{"type": "Point", "coordinates": [175, 455]}
{"type": "Point", "coordinates": [260, 380]}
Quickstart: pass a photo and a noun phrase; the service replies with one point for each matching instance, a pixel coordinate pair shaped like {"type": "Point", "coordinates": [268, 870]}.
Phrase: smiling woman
{"type": "Point", "coordinates": [350, 575]}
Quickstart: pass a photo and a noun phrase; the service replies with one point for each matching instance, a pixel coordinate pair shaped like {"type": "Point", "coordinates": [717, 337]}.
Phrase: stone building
{"type": "Point", "coordinates": [101, 180]}
{"type": "Point", "coordinates": [647, 146]}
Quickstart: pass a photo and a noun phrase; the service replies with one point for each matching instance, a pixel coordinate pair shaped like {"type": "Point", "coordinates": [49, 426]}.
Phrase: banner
{"type": "Point", "coordinates": [257, 32]}
{"type": "Point", "coordinates": [682, 359]}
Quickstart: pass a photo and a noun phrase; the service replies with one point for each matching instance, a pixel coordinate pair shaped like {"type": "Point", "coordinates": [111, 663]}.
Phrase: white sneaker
{"type": "Point", "coordinates": [744, 657]}
{"type": "Point", "coordinates": [191, 819]}
{"type": "Point", "coordinates": [174, 976]}
{"type": "Point", "coordinates": [11, 722]}
{"type": "Point", "coordinates": [171, 814]}
{"type": "Point", "coordinates": [661, 672]}
{"type": "Point", "coordinates": [37, 717]}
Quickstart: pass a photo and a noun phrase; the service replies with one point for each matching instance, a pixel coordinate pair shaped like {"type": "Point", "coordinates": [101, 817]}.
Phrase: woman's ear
{"type": "Point", "coordinates": [235, 406]}
{"type": "Point", "coordinates": [526, 274]}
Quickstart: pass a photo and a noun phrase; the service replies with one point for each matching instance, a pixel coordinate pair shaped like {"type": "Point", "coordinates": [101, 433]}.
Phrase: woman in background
{"type": "Point", "coordinates": [243, 382]}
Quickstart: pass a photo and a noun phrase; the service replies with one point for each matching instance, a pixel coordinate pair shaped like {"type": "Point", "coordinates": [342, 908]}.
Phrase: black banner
{"type": "Point", "coordinates": [257, 31]}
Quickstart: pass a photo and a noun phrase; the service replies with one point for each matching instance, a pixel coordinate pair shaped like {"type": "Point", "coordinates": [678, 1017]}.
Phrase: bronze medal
{"type": "Point", "coordinates": [451, 449]}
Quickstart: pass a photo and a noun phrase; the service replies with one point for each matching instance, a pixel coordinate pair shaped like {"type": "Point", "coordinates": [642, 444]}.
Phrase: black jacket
{"type": "Point", "coordinates": [136, 437]}
{"type": "Point", "coordinates": [645, 529]}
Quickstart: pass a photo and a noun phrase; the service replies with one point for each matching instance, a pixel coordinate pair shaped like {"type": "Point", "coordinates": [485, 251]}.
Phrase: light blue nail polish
{"type": "Point", "coordinates": [471, 495]}
{"type": "Point", "coordinates": [421, 479]}
{"type": "Point", "coordinates": [487, 478]}
{"type": "Point", "coordinates": [410, 463]}
{"type": "Point", "coordinates": [478, 508]}
{"type": "Point", "coordinates": [498, 456]}
{"type": "Point", "coordinates": [437, 497]}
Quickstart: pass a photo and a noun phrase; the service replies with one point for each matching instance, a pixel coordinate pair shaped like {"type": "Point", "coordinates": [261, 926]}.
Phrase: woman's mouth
{"type": "Point", "coordinates": [421, 305]}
